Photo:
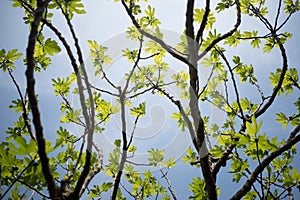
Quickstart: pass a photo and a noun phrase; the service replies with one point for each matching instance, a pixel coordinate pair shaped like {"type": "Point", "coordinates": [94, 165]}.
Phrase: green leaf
{"type": "Point", "coordinates": [51, 47]}
{"type": "Point", "coordinates": [106, 186]}
{"type": "Point", "coordinates": [17, 105]}
{"type": "Point", "coordinates": [13, 55]}
{"type": "Point", "coordinates": [155, 156]}
{"type": "Point", "coordinates": [7, 158]}
{"type": "Point", "coordinates": [198, 17]}
{"type": "Point", "coordinates": [132, 148]}
{"type": "Point", "coordinates": [7, 60]}
{"type": "Point", "coordinates": [198, 188]}
{"type": "Point", "coordinates": [253, 128]}
{"type": "Point", "coordinates": [117, 143]}
{"type": "Point", "coordinates": [24, 148]}
{"type": "Point", "coordinates": [282, 119]}
{"type": "Point", "coordinates": [138, 111]}
{"type": "Point", "coordinates": [191, 156]}
{"type": "Point", "coordinates": [169, 163]}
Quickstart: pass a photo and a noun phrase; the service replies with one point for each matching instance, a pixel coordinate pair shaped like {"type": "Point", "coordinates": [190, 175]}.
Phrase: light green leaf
{"type": "Point", "coordinates": [51, 47]}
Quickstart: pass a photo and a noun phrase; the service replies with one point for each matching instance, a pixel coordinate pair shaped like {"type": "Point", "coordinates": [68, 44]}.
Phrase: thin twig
{"type": "Point", "coordinates": [165, 175]}
{"type": "Point", "coordinates": [24, 114]}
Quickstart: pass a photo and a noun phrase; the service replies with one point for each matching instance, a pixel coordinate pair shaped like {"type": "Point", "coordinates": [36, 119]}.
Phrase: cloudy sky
{"type": "Point", "coordinates": [104, 22]}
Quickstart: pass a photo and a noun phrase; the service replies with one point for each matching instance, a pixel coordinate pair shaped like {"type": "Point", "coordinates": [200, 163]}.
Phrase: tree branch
{"type": "Point", "coordinates": [233, 82]}
{"type": "Point", "coordinates": [165, 175]}
{"type": "Point", "coordinates": [226, 35]}
{"type": "Point", "coordinates": [167, 47]}
{"type": "Point", "coordinates": [24, 114]}
{"type": "Point", "coordinates": [282, 75]}
{"type": "Point", "coordinates": [259, 169]}
{"type": "Point", "coordinates": [52, 188]}
{"type": "Point", "coordinates": [124, 147]}
{"type": "Point", "coordinates": [95, 171]}
{"type": "Point", "coordinates": [204, 22]}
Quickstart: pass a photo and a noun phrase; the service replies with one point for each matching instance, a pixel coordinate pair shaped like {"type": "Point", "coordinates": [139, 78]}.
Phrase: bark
{"type": "Point", "coordinates": [41, 143]}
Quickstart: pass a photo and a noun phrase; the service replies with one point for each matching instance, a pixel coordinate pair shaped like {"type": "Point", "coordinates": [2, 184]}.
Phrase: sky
{"type": "Point", "coordinates": [106, 22]}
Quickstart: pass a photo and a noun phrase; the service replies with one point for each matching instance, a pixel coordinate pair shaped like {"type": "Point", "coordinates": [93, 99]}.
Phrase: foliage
{"type": "Point", "coordinates": [67, 165]}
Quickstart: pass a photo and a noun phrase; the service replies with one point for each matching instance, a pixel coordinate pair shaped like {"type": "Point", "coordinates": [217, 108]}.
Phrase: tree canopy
{"type": "Point", "coordinates": [147, 109]}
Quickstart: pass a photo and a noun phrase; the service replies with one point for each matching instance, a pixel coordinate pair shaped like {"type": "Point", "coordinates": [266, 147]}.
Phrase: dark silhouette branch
{"type": "Point", "coordinates": [233, 82]}
{"type": "Point", "coordinates": [167, 47]}
{"type": "Point", "coordinates": [283, 69]}
{"type": "Point", "coordinates": [95, 171]}
{"type": "Point", "coordinates": [205, 162]}
{"type": "Point", "coordinates": [103, 91]}
{"type": "Point", "coordinates": [204, 22]}
{"type": "Point", "coordinates": [222, 161]}
{"type": "Point", "coordinates": [226, 35]}
{"type": "Point", "coordinates": [89, 118]}
{"type": "Point", "coordinates": [24, 114]}
{"type": "Point", "coordinates": [124, 147]}
{"type": "Point", "coordinates": [278, 13]}
{"type": "Point", "coordinates": [34, 189]}
{"type": "Point", "coordinates": [259, 169]}
{"type": "Point", "coordinates": [41, 143]}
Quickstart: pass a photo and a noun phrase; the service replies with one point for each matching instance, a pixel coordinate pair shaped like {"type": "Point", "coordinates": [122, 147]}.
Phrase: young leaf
{"type": "Point", "coordinates": [51, 47]}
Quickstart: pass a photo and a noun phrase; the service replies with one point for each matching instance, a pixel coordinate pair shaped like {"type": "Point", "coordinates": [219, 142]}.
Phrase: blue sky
{"type": "Point", "coordinates": [103, 21]}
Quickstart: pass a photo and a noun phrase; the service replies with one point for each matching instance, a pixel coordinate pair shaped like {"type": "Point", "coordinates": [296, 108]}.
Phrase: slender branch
{"type": "Point", "coordinates": [134, 196]}
{"type": "Point", "coordinates": [78, 159]}
{"type": "Point", "coordinates": [255, 37]}
{"type": "Point", "coordinates": [104, 91]}
{"type": "Point", "coordinates": [281, 78]}
{"type": "Point", "coordinates": [150, 88]}
{"type": "Point", "coordinates": [204, 21]}
{"type": "Point", "coordinates": [107, 79]}
{"type": "Point", "coordinates": [208, 80]}
{"type": "Point", "coordinates": [233, 82]}
{"type": "Point", "coordinates": [138, 164]}
{"type": "Point", "coordinates": [95, 171]}
{"type": "Point", "coordinates": [134, 66]}
{"type": "Point", "coordinates": [89, 119]}
{"type": "Point", "coordinates": [133, 130]}
{"type": "Point", "coordinates": [278, 13]}
{"type": "Point", "coordinates": [32, 188]}
{"type": "Point", "coordinates": [226, 35]}
{"type": "Point", "coordinates": [284, 22]}
{"type": "Point", "coordinates": [227, 101]}
{"type": "Point", "coordinates": [145, 58]}
{"type": "Point", "coordinates": [165, 175]}
{"type": "Point", "coordinates": [249, 183]}
{"type": "Point", "coordinates": [24, 114]}
{"type": "Point", "coordinates": [180, 108]}
{"type": "Point", "coordinates": [141, 93]}
{"type": "Point", "coordinates": [167, 47]}
{"type": "Point", "coordinates": [52, 188]}
{"type": "Point", "coordinates": [124, 147]}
